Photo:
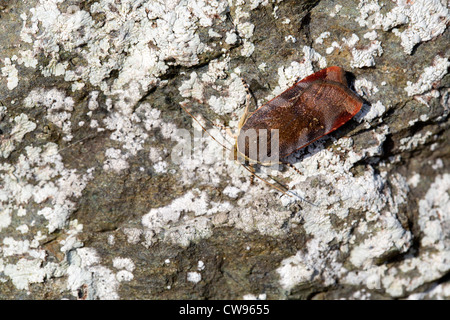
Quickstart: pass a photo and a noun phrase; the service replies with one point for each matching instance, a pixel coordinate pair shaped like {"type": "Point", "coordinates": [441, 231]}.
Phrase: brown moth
{"type": "Point", "coordinates": [310, 109]}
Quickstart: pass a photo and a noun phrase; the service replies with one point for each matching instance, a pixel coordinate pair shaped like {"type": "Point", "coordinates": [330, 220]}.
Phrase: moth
{"type": "Point", "coordinates": [312, 108]}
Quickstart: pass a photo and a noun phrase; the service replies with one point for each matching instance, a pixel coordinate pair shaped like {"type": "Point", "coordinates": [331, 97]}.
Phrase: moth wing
{"type": "Point", "coordinates": [334, 73]}
{"type": "Point", "coordinates": [323, 107]}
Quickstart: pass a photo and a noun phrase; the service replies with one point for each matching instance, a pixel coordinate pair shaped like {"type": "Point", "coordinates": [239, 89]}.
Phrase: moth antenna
{"type": "Point", "coordinates": [293, 193]}
{"type": "Point", "coordinates": [222, 127]}
{"type": "Point", "coordinates": [303, 199]}
{"type": "Point", "coordinates": [262, 179]}
{"type": "Point", "coordinates": [204, 129]}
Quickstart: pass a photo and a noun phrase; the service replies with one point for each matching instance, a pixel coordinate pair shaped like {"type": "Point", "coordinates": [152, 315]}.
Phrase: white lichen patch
{"type": "Point", "coordinates": [428, 96]}
{"type": "Point", "coordinates": [10, 72]}
{"type": "Point", "coordinates": [375, 110]}
{"type": "Point", "coordinates": [86, 273]}
{"type": "Point", "coordinates": [365, 87]}
{"type": "Point", "coordinates": [436, 292]}
{"type": "Point", "coordinates": [194, 277]}
{"type": "Point", "coordinates": [366, 57]}
{"type": "Point", "coordinates": [295, 270]}
{"type": "Point", "coordinates": [410, 143]}
{"type": "Point", "coordinates": [40, 176]}
{"type": "Point", "coordinates": [131, 131]}
{"type": "Point", "coordinates": [192, 88]}
{"type": "Point", "coordinates": [224, 104]}
{"type": "Point", "coordinates": [22, 126]}
{"type": "Point", "coordinates": [434, 219]}
{"type": "Point", "coordinates": [231, 37]}
{"type": "Point", "coordinates": [334, 45]}
{"type": "Point", "coordinates": [59, 107]}
{"type": "Point", "coordinates": [27, 59]}
{"type": "Point", "coordinates": [115, 161]}
{"type": "Point", "coordinates": [250, 296]}
{"type": "Point", "coordinates": [322, 36]}
{"type": "Point", "coordinates": [125, 267]}
{"type": "Point", "coordinates": [429, 76]}
{"type": "Point", "coordinates": [134, 38]}
{"type": "Point", "coordinates": [177, 224]}
{"type": "Point", "coordinates": [296, 71]}
{"type": "Point", "coordinates": [421, 20]}
{"type": "Point", "coordinates": [363, 55]}
{"type": "Point", "coordinates": [160, 167]}
{"type": "Point", "coordinates": [133, 235]}
{"type": "Point", "coordinates": [390, 237]}
{"type": "Point", "coordinates": [433, 260]}
{"type": "Point", "coordinates": [372, 35]}
{"type": "Point", "coordinates": [352, 41]}
{"type": "Point", "coordinates": [216, 70]}
{"type": "Point", "coordinates": [335, 10]}
{"type": "Point", "coordinates": [31, 267]}
{"type": "Point", "coordinates": [5, 218]}
{"type": "Point", "coordinates": [26, 271]}
{"type": "Point", "coordinates": [246, 29]}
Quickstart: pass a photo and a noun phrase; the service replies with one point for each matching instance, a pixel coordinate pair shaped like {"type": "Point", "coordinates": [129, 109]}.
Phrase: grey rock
{"type": "Point", "coordinates": [107, 190]}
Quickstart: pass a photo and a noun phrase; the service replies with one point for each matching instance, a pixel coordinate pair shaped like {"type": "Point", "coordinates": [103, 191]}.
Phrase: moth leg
{"type": "Point", "coordinates": [252, 171]}
{"type": "Point", "coordinates": [247, 105]}
{"type": "Point", "coordinates": [292, 166]}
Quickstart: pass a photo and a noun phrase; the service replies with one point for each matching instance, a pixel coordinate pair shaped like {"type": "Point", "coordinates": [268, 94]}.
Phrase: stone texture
{"type": "Point", "coordinates": [103, 197]}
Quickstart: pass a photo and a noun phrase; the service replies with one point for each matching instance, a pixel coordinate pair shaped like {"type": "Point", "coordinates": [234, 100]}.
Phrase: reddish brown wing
{"type": "Point", "coordinates": [335, 73]}
{"type": "Point", "coordinates": [312, 108]}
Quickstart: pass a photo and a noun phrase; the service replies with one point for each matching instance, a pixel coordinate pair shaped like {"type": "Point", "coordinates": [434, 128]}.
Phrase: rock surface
{"type": "Point", "coordinates": [110, 190]}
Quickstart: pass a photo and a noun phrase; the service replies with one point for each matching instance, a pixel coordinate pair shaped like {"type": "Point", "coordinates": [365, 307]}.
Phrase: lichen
{"type": "Point", "coordinates": [424, 20]}
{"type": "Point", "coordinates": [112, 55]}
{"type": "Point", "coordinates": [429, 76]}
